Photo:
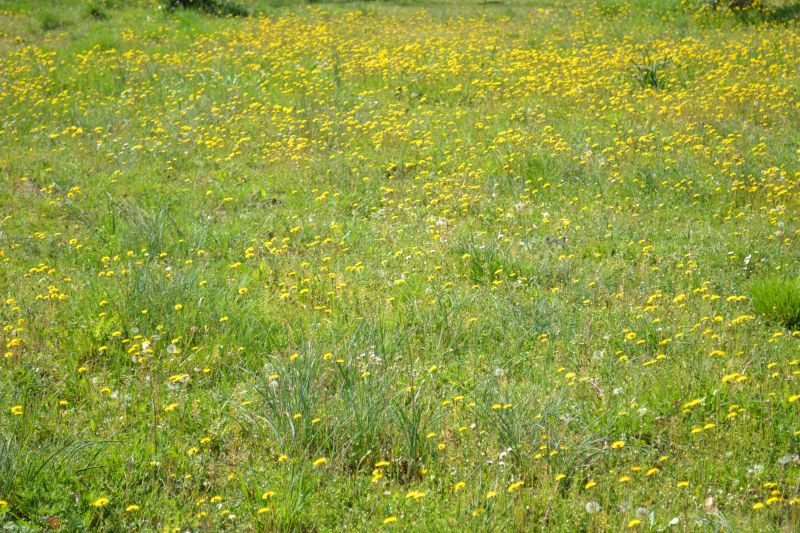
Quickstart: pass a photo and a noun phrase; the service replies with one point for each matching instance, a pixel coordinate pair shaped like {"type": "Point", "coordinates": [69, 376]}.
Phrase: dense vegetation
{"type": "Point", "coordinates": [470, 265]}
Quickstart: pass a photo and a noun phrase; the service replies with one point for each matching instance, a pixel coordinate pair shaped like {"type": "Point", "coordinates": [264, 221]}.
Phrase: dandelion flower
{"type": "Point", "coordinates": [100, 502]}
{"type": "Point", "coordinates": [516, 485]}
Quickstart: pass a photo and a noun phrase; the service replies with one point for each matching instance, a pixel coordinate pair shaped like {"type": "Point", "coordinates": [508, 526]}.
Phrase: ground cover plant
{"type": "Point", "coordinates": [421, 266]}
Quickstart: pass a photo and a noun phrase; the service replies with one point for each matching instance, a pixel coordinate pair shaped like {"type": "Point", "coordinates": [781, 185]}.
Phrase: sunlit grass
{"type": "Point", "coordinates": [425, 266]}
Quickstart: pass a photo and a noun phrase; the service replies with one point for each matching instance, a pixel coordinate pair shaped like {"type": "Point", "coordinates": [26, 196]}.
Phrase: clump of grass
{"type": "Point", "coordinates": [220, 8]}
{"type": "Point", "coordinates": [732, 4]}
{"type": "Point", "coordinates": [651, 73]}
{"type": "Point", "coordinates": [96, 11]}
{"type": "Point", "coordinates": [49, 21]}
{"type": "Point", "coordinates": [778, 299]}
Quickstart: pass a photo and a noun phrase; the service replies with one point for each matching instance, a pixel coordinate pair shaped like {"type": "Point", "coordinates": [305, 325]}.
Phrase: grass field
{"type": "Point", "coordinates": [423, 266]}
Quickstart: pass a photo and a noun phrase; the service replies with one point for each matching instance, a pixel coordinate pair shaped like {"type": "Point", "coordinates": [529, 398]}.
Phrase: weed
{"type": "Point", "coordinates": [651, 73]}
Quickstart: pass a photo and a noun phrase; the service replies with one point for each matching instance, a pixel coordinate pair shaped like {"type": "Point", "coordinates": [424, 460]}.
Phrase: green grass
{"type": "Point", "coordinates": [463, 265]}
{"type": "Point", "coordinates": [778, 299]}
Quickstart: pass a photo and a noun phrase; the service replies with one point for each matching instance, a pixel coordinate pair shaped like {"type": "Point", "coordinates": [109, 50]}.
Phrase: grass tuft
{"type": "Point", "coordinates": [778, 299]}
{"type": "Point", "coordinates": [220, 8]}
{"type": "Point", "coordinates": [49, 21]}
{"type": "Point", "coordinates": [96, 11]}
{"type": "Point", "coordinates": [651, 73]}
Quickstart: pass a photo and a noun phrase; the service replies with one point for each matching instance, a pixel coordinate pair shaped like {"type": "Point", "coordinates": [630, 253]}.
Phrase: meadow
{"type": "Point", "coordinates": [400, 266]}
